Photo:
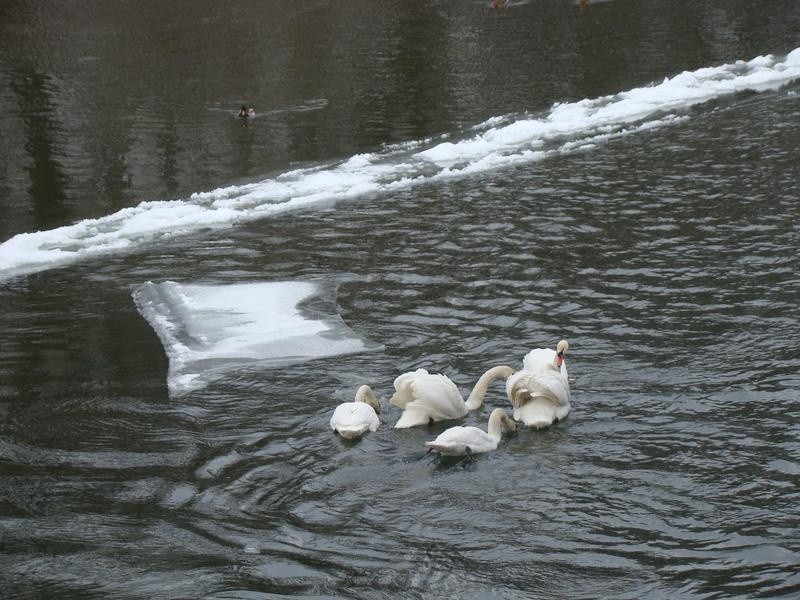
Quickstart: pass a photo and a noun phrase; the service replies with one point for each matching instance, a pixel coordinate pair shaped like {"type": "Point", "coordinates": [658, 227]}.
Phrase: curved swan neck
{"type": "Point", "coordinates": [364, 394]}
{"type": "Point", "coordinates": [496, 421]}
{"type": "Point", "coordinates": [478, 393]}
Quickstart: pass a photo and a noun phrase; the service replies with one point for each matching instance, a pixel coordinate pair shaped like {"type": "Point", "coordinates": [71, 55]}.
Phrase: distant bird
{"type": "Point", "coordinates": [539, 392]}
{"type": "Point", "coordinates": [427, 397]}
{"type": "Point", "coordinates": [352, 419]}
{"type": "Point", "coordinates": [246, 112]}
{"type": "Point", "coordinates": [464, 441]}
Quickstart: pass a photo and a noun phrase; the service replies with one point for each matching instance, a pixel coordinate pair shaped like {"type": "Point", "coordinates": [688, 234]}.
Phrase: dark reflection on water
{"type": "Point", "coordinates": [667, 258]}
{"type": "Point", "coordinates": [42, 137]}
{"type": "Point", "coordinates": [143, 97]}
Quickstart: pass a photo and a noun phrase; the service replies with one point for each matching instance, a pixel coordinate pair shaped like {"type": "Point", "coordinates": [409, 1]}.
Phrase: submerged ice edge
{"type": "Point", "coordinates": [495, 144]}
{"type": "Point", "coordinates": [210, 331]}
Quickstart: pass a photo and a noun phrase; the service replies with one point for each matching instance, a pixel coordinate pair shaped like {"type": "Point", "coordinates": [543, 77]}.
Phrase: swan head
{"type": "Point", "coordinates": [508, 423]}
{"type": "Point", "coordinates": [364, 394]}
{"type": "Point", "coordinates": [561, 350]}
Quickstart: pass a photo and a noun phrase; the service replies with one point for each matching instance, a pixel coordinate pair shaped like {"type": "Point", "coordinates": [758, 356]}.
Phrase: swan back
{"type": "Point", "coordinates": [524, 386]}
{"type": "Point", "coordinates": [352, 419]}
{"type": "Point", "coordinates": [459, 441]}
{"type": "Point", "coordinates": [540, 360]}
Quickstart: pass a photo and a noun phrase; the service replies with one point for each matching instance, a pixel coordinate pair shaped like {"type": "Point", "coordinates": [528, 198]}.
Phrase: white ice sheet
{"type": "Point", "coordinates": [209, 330]}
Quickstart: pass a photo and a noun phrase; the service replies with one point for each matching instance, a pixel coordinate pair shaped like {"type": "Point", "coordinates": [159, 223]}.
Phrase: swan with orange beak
{"type": "Point", "coordinates": [539, 392]}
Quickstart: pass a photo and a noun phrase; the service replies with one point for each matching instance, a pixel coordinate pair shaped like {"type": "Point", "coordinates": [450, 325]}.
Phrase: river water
{"type": "Point", "coordinates": [425, 184]}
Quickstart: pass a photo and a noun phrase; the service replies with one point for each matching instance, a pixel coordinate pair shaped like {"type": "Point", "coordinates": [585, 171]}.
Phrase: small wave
{"type": "Point", "coordinates": [566, 127]}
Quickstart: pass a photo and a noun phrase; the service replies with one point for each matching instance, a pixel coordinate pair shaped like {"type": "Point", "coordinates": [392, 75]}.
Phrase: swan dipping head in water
{"type": "Point", "coordinates": [464, 441]}
{"type": "Point", "coordinates": [427, 397]}
{"type": "Point", "coordinates": [352, 419]}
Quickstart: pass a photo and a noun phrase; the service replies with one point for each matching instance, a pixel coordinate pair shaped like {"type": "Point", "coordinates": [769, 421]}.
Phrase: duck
{"type": "Point", "coordinates": [428, 397]}
{"type": "Point", "coordinates": [353, 419]}
{"type": "Point", "coordinates": [465, 441]}
{"type": "Point", "coordinates": [539, 392]}
{"type": "Point", "coordinates": [246, 112]}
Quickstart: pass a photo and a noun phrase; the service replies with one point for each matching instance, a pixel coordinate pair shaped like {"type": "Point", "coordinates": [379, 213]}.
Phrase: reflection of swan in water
{"type": "Point", "coordinates": [426, 397]}
{"type": "Point", "coordinates": [539, 392]}
{"type": "Point", "coordinates": [352, 419]}
{"type": "Point", "coordinates": [463, 441]}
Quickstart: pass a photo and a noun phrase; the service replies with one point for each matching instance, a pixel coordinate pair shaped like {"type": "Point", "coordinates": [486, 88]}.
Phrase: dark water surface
{"type": "Point", "coordinates": [668, 257]}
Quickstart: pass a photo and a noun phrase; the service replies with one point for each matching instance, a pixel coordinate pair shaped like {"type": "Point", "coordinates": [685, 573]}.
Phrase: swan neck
{"type": "Point", "coordinates": [478, 393]}
{"type": "Point", "coordinates": [495, 423]}
{"type": "Point", "coordinates": [365, 395]}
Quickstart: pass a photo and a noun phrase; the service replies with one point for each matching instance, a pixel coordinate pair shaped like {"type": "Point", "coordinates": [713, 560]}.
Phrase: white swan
{"type": "Point", "coordinates": [426, 397]}
{"type": "Point", "coordinates": [352, 419]}
{"type": "Point", "coordinates": [539, 392]}
{"type": "Point", "coordinates": [463, 441]}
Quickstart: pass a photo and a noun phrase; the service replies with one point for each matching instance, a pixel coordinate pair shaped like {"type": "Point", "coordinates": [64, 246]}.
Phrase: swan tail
{"type": "Point", "coordinates": [447, 449]}
{"type": "Point", "coordinates": [351, 433]}
{"type": "Point", "coordinates": [536, 414]}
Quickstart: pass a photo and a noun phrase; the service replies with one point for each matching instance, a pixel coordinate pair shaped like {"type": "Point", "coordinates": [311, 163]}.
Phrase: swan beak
{"type": "Point", "coordinates": [559, 360]}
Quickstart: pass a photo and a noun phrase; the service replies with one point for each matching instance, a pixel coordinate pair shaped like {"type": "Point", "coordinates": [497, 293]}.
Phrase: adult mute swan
{"type": "Point", "coordinates": [352, 419]}
{"type": "Point", "coordinates": [539, 392]}
{"type": "Point", "coordinates": [426, 397]}
{"type": "Point", "coordinates": [463, 441]}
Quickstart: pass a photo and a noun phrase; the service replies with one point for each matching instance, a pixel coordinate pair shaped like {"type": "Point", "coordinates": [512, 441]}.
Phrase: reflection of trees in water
{"type": "Point", "coordinates": [131, 121]}
{"type": "Point", "coordinates": [42, 132]}
{"type": "Point", "coordinates": [168, 147]}
{"type": "Point", "coordinates": [621, 45]}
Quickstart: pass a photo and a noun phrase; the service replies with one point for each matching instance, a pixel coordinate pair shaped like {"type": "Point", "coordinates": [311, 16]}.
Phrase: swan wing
{"type": "Point", "coordinates": [551, 386]}
{"type": "Point", "coordinates": [517, 388]}
{"type": "Point", "coordinates": [403, 386]}
{"type": "Point", "coordinates": [547, 401]}
{"type": "Point", "coordinates": [431, 394]}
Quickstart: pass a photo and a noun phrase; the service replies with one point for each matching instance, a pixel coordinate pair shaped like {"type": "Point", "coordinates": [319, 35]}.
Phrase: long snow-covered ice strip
{"type": "Point", "coordinates": [210, 330]}
{"type": "Point", "coordinates": [498, 142]}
